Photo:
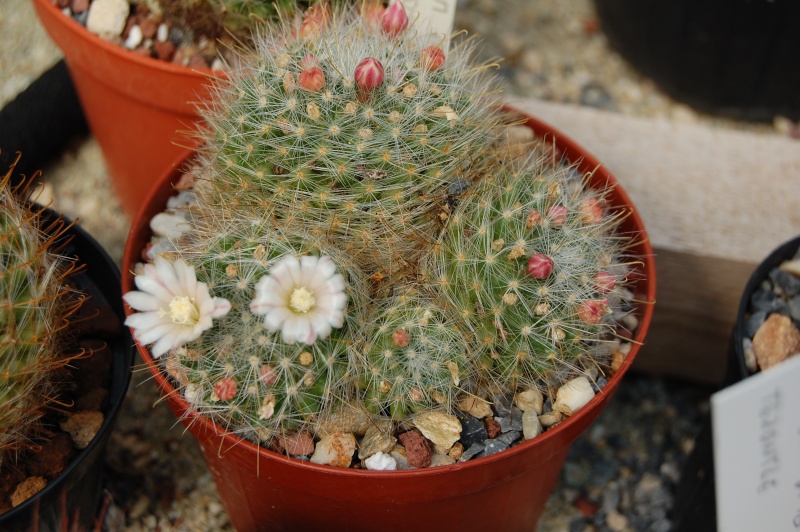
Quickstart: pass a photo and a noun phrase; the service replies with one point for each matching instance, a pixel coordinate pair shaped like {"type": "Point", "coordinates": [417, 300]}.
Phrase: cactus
{"type": "Point", "coordinates": [355, 134]}
{"type": "Point", "coordinates": [346, 142]}
{"type": "Point", "coordinates": [416, 359]}
{"type": "Point", "coordinates": [35, 304]}
{"type": "Point", "coordinates": [532, 258]}
{"type": "Point", "coordinates": [243, 376]}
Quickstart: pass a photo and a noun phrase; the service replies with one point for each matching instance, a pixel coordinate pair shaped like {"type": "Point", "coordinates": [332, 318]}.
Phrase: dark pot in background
{"type": "Point", "coordinates": [695, 498]}
{"type": "Point", "coordinates": [72, 499]}
{"type": "Point", "coordinates": [736, 58]}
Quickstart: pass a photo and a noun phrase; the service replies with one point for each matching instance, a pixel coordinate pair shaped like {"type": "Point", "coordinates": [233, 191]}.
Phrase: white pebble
{"type": "Point", "coordinates": [791, 266]}
{"type": "Point", "coordinates": [531, 426]}
{"type": "Point", "coordinates": [335, 449]}
{"type": "Point", "coordinates": [135, 37]}
{"type": "Point", "coordinates": [107, 18]}
{"type": "Point", "coordinates": [168, 225]}
{"type": "Point", "coordinates": [573, 395]}
{"type": "Point", "coordinates": [162, 33]}
{"type": "Point", "coordinates": [381, 462]}
{"type": "Point", "coordinates": [530, 399]}
{"type": "Point", "coordinates": [631, 322]}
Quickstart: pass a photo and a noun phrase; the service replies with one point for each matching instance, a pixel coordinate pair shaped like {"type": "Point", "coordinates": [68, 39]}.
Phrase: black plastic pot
{"type": "Point", "coordinates": [694, 507]}
{"type": "Point", "coordinates": [736, 58]}
{"type": "Point", "coordinates": [73, 498]}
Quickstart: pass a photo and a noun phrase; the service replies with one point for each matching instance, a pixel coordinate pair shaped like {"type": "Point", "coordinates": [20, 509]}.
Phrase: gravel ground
{"type": "Point", "coordinates": [620, 475]}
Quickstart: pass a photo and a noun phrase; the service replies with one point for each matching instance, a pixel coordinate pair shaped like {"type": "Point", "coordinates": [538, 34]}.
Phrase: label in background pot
{"type": "Point", "coordinates": [756, 426]}
{"type": "Point", "coordinates": [436, 16]}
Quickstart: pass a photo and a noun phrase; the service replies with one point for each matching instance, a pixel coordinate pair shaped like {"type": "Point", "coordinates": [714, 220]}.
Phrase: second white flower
{"type": "Point", "coordinates": [304, 299]}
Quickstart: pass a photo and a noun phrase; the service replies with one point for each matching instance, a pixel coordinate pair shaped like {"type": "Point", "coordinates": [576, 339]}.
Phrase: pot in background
{"type": "Point", "coordinates": [136, 106]}
{"type": "Point", "coordinates": [694, 508]}
{"type": "Point", "coordinates": [73, 498]}
{"type": "Point", "coordinates": [735, 58]}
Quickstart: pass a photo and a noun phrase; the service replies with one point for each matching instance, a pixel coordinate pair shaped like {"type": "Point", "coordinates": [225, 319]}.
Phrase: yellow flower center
{"type": "Point", "coordinates": [183, 311]}
{"type": "Point", "coordinates": [302, 300]}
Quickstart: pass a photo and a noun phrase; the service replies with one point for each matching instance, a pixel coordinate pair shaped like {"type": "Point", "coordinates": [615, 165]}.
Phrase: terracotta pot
{"type": "Point", "coordinates": [72, 499]}
{"type": "Point", "coordinates": [262, 490]}
{"type": "Point", "coordinates": [135, 105]}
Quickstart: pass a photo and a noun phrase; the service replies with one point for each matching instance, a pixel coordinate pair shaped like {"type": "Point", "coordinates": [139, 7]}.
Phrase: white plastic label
{"type": "Point", "coordinates": [756, 426]}
{"type": "Point", "coordinates": [434, 18]}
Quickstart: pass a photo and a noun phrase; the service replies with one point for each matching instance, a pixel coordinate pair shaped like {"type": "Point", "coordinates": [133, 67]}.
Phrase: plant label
{"type": "Point", "coordinates": [756, 426]}
{"type": "Point", "coordinates": [434, 18]}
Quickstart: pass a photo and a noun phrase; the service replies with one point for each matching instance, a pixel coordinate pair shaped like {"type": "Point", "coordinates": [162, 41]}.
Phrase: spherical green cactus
{"type": "Point", "coordinates": [354, 133]}
{"type": "Point", "coordinates": [255, 381]}
{"type": "Point", "coordinates": [530, 258]}
{"type": "Point", "coordinates": [416, 358]}
{"type": "Point", "coordinates": [34, 307]}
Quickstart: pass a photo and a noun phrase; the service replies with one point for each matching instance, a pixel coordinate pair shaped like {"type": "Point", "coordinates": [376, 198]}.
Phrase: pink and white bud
{"type": "Point", "coordinates": [593, 310]}
{"type": "Point", "coordinates": [225, 388]}
{"type": "Point", "coordinates": [401, 338]}
{"type": "Point", "coordinates": [369, 75]}
{"type": "Point", "coordinates": [394, 20]}
{"type": "Point", "coordinates": [540, 266]}
{"type": "Point", "coordinates": [591, 211]}
{"type": "Point", "coordinates": [604, 282]}
{"type": "Point", "coordinates": [557, 215]}
{"type": "Point", "coordinates": [431, 58]}
{"type": "Point", "coordinates": [311, 79]}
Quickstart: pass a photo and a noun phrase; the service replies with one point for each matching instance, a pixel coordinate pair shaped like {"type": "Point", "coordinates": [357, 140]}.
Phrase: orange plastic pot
{"type": "Point", "coordinates": [135, 105]}
{"type": "Point", "coordinates": [262, 490]}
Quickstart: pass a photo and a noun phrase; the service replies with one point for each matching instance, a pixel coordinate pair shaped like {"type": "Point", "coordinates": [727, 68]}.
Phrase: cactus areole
{"type": "Point", "coordinates": [384, 258]}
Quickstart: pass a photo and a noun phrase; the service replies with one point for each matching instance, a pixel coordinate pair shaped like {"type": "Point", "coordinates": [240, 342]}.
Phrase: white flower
{"type": "Point", "coordinates": [174, 308]}
{"type": "Point", "coordinates": [304, 299]}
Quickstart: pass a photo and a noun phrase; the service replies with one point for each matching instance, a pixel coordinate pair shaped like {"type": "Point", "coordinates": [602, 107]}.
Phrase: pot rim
{"type": "Point", "coordinates": [576, 155]}
{"type": "Point", "coordinates": [123, 54]}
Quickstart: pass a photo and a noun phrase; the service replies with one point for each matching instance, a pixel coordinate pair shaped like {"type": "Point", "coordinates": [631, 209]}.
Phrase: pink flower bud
{"type": "Point", "coordinates": [311, 79]}
{"type": "Point", "coordinates": [604, 282]}
{"type": "Point", "coordinates": [416, 395]}
{"type": "Point", "coordinates": [431, 58]}
{"type": "Point", "coordinates": [591, 212]}
{"type": "Point", "coordinates": [267, 375]}
{"type": "Point", "coordinates": [593, 310]}
{"type": "Point", "coordinates": [394, 20]}
{"type": "Point", "coordinates": [372, 12]}
{"type": "Point", "coordinates": [316, 19]}
{"type": "Point", "coordinates": [533, 219]}
{"type": "Point", "coordinates": [369, 74]}
{"type": "Point", "coordinates": [401, 338]}
{"type": "Point", "coordinates": [540, 266]}
{"type": "Point", "coordinates": [309, 61]}
{"type": "Point", "coordinates": [557, 215]}
{"type": "Point", "coordinates": [226, 388]}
